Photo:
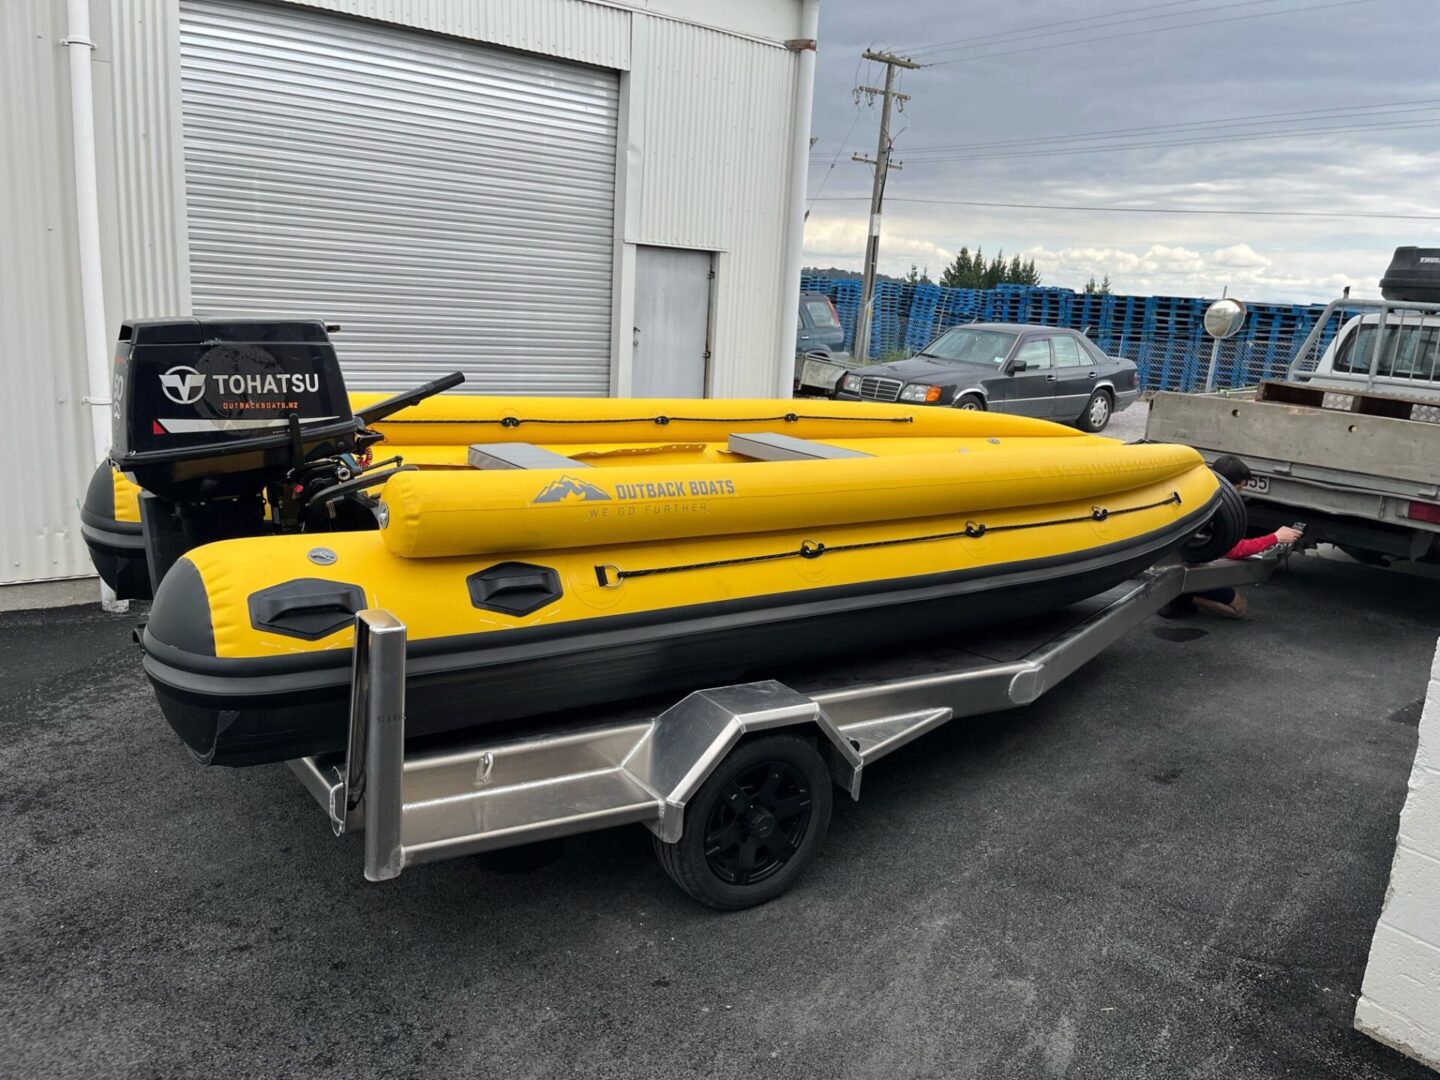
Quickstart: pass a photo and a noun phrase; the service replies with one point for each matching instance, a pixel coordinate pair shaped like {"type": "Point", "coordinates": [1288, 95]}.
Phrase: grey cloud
{"type": "Point", "coordinates": [1378, 51]}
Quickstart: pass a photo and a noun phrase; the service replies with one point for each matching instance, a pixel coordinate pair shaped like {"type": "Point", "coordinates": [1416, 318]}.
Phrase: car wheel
{"type": "Point", "coordinates": [1097, 412]}
{"type": "Point", "coordinates": [970, 403]}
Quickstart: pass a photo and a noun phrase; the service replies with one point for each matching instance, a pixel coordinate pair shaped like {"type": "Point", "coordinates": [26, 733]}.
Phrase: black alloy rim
{"type": "Point", "coordinates": [758, 823]}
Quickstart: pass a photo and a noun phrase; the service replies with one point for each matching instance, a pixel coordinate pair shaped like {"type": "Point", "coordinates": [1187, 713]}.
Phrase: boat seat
{"type": "Point", "coordinates": [519, 455]}
{"type": "Point", "coordinates": [772, 446]}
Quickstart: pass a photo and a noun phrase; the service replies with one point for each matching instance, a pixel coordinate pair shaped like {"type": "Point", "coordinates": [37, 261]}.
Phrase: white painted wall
{"type": "Point", "coordinates": [1400, 997]}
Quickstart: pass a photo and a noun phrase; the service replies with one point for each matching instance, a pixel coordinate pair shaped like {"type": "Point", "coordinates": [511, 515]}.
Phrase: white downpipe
{"type": "Point", "coordinates": [789, 298]}
{"type": "Point", "coordinates": [87, 231]}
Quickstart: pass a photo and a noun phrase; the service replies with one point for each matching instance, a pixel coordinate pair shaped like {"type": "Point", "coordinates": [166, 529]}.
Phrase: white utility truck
{"type": "Point", "coordinates": [1349, 443]}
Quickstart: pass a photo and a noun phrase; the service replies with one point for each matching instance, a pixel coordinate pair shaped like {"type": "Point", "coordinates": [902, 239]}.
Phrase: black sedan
{"type": "Point", "coordinates": [1039, 371]}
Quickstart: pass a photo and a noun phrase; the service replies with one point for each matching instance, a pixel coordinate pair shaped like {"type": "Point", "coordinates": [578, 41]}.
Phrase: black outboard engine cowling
{"type": "Point", "coordinates": [1413, 276]}
{"type": "Point", "coordinates": [203, 407]}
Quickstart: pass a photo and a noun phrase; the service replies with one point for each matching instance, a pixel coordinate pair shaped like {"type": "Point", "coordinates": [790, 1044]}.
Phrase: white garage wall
{"type": "Point", "coordinates": [706, 98]}
{"type": "Point", "coordinates": [45, 434]}
{"type": "Point", "coordinates": [710, 121]}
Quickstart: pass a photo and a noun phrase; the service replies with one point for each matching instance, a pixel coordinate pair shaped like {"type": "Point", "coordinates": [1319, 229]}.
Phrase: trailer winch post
{"type": "Point", "coordinates": [375, 749]}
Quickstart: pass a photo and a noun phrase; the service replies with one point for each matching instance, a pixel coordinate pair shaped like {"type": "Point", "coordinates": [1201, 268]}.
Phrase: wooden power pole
{"type": "Point", "coordinates": [881, 161]}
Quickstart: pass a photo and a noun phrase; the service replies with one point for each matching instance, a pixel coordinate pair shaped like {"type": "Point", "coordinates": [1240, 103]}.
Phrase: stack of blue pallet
{"type": "Point", "coordinates": [1276, 331]}
{"type": "Point", "coordinates": [1048, 306]}
{"type": "Point", "coordinates": [1164, 335]}
{"type": "Point", "coordinates": [1175, 325]}
{"type": "Point", "coordinates": [886, 311]}
{"type": "Point", "coordinates": [1006, 303]}
{"type": "Point", "coordinates": [957, 306]}
{"type": "Point", "coordinates": [846, 298]}
{"type": "Point", "coordinates": [920, 328]}
{"type": "Point", "coordinates": [1124, 331]}
{"type": "Point", "coordinates": [1090, 313]}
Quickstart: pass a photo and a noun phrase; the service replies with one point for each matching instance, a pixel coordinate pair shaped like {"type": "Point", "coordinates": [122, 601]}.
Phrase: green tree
{"type": "Point", "coordinates": [918, 277]}
{"type": "Point", "coordinates": [1101, 288]}
{"type": "Point", "coordinates": [956, 275]}
{"type": "Point", "coordinates": [974, 271]}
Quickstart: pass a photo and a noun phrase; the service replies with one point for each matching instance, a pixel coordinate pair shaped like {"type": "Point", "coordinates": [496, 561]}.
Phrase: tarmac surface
{"type": "Point", "coordinates": [1171, 865]}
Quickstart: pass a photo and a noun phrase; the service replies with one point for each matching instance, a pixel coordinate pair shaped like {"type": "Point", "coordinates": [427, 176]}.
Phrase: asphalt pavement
{"type": "Point", "coordinates": [1170, 866]}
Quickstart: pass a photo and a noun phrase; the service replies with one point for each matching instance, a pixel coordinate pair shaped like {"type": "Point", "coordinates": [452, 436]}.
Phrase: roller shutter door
{"type": "Point", "coordinates": [451, 205]}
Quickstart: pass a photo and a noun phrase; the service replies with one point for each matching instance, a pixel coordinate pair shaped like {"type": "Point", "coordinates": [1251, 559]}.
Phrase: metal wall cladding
{"type": "Point", "coordinates": [450, 204]}
{"type": "Point", "coordinates": [712, 114]}
{"type": "Point", "coordinates": [590, 33]}
{"type": "Point", "coordinates": [44, 424]}
{"type": "Point", "coordinates": [153, 276]}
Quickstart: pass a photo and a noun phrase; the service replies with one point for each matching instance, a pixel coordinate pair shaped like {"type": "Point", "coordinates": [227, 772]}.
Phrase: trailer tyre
{"type": "Point", "coordinates": [1223, 531]}
{"type": "Point", "coordinates": [754, 825]}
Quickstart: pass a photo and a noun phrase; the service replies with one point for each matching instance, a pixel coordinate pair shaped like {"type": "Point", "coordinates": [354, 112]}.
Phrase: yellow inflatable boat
{"type": "Point", "coordinates": [549, 554]}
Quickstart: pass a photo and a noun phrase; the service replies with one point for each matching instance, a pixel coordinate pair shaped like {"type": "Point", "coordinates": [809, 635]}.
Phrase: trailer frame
{"type": "Point", "coordinates": [484, 794]}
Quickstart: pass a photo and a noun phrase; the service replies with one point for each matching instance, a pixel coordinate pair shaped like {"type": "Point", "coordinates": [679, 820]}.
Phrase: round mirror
{"type": "Point", "coordinates": [1224, 318]}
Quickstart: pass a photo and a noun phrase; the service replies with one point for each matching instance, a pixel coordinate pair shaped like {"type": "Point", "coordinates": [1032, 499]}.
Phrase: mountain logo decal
{"type": "Point", "coordinates": [568, 489]}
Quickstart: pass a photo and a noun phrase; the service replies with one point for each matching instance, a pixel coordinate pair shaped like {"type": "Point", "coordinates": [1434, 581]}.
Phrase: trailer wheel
{"type": "Point", "coordinates": [1223, 531]}
{"type": "Point", "coordinates": [754, 825]}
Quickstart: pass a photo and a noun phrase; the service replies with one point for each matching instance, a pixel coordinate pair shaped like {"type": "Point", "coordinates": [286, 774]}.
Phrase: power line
{"type": "Point", "coordinates": [838, 151]}
{"type": "Point", "coordinates": [1250, 120]}
{"type": "Point", "coordinates": [1031, 32]}
{"type": "Point", "coordinates": [1152, 30]}
{"type": "Point", "coordinates": [1252, 137]}
{"type": "Point", "coordinates": [1151, 209]}
{"type": "Point", "coordinates": [1020, 30]}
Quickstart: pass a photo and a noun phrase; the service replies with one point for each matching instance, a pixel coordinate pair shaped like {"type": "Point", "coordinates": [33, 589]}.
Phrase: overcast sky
{"type": "Point", "coordinates": [1359, 55]}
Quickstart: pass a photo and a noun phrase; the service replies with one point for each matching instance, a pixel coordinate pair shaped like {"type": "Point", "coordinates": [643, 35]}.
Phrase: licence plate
{"type": "Point", "coordinates": [1258, 484]}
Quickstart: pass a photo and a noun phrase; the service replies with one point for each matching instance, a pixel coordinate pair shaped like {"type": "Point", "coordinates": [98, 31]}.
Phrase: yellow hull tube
{"type": "Point", "coordinates": [561, 421]}
{"type": "Point", "coordinates": [432, 514]}
{"type": "Point", "coordinates": [430, 593]}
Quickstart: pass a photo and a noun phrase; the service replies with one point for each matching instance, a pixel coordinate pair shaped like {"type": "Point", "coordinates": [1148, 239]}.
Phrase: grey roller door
{"type": "Point", "coordinates": [451, 205]}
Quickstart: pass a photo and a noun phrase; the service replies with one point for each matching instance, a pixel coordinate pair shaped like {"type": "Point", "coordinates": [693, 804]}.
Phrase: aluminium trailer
{"type": "Point", "coordinates": [735, 782]}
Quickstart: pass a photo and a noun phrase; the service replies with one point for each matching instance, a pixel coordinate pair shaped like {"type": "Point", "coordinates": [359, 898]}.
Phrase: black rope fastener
{"type": "Point", "coordinates": [610, 576]}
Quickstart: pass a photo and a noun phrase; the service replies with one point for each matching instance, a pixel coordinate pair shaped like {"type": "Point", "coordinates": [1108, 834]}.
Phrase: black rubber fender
{"type": "Point", "coordinates": [1223, 531]}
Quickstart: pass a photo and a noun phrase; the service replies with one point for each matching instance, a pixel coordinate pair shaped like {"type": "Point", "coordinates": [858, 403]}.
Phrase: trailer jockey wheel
{"type": "Point", "coordinates": [1223, 531]}
{"type": "Point", "coordinates": [754, 825]}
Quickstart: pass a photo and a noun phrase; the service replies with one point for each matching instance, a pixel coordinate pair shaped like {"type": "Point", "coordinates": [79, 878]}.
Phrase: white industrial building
{"type": "Point", "coordinates": [580, 197]}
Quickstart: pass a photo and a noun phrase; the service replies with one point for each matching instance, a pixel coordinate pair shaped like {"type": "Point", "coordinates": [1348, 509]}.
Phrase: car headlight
{"type": "Point", "coordinates": [920, 392]}
{"type": "Point", "coordinates": [850, 382]}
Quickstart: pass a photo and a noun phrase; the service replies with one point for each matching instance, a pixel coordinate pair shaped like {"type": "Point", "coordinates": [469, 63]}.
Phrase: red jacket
{"type": "Point", "coordinates": [1245, 548]}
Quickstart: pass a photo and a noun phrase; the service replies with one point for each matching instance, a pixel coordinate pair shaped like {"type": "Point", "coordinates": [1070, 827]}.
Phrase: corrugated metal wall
{"type": "Point", "coordinates": [711, 118]}
{"type": "Point", "coordinates": [149, 173]}
{"type": "Point", "coordinates": [450, 204]}
{"type": "Point", "coordinates": [44, 426]}
{"type": "Point", "coordinates": [704, 138]}
{"type": "Point", "coordinates": [590, 33]}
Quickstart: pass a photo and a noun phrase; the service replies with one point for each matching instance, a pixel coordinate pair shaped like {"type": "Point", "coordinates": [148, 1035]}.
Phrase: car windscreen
{"type": "Point", "coordinates": [1408, 352]}
{"type": "Point", "coordinates": [820, 314]}
{"type": "Point", "coordinates": [972, 346]}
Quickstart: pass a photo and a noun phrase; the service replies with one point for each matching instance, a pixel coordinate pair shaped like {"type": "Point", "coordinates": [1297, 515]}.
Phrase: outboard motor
{"type": "Point", "coordinates": [206, 408]}
{"type": "Point", "coordinates": [231, 427]}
